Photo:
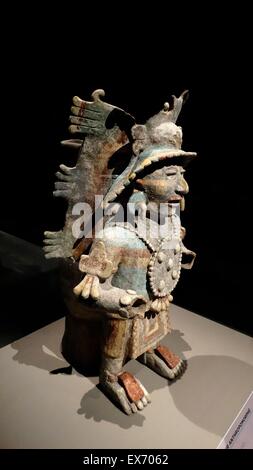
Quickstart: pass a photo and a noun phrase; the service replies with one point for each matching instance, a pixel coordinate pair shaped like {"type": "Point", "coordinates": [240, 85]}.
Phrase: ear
{"type": "Point", "coordinates": [140, 138]}
{"type": "Point", "coordinates": [139, 132]}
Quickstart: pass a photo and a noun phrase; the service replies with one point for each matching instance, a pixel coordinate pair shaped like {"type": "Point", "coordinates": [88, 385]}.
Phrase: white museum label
{"type": "Point", "coordinates": [240, 433]}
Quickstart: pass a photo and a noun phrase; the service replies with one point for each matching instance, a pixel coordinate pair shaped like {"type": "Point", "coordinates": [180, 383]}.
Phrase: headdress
{"type": "Point", "coordinates": [160, 139]}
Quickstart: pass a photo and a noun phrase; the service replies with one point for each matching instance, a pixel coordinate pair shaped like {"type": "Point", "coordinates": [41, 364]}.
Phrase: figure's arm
{"type": "Point", "coordinates": [99, 267]}
{"type": "Point", "coordinates": [188, 254]}
{"type": "Point", "coordinates": [191, 255]}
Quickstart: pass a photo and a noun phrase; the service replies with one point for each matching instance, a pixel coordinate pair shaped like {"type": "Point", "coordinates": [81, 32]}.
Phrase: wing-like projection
{"type": "Point", "coordinates": [102, 130]}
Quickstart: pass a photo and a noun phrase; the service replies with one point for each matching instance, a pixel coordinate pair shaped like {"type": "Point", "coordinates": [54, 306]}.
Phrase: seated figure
{"type": "Point", "coordinates": [121, 259]}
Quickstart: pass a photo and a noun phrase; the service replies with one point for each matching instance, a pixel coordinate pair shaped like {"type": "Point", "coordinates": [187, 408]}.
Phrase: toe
{"type": "Point", "coordinates": [134, 407]}
{"type": "Point", "coordinates": [144, 401]}
{"type": "Point", "coordinates": [146, 394]}
{"type": "Point", "coordinates": [148, 397]}
{"type": "Point", "coordinates": [179, 369]}
{"type": "Point", "coordinates": [172, 374]}
{"type": "Point", "coordinates": [139, 405]}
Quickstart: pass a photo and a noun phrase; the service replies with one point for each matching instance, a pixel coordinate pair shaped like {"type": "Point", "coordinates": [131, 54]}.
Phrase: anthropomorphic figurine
{"type": "Point", "coordinates": [119, 269]}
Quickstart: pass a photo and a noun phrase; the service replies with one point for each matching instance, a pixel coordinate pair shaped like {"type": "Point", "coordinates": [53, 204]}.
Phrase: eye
{"type": "Point", "coordinates": [171, 173]}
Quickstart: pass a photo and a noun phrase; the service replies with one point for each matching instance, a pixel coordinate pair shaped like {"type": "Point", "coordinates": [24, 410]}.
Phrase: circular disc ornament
{"type": "Point", "coordinates": [164, 267]}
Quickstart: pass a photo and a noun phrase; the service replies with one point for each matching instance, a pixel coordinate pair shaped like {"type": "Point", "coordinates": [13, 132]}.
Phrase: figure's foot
{"type": "Point", "coordinates": [164, 362]}
{"type": "Point", "coordinates": [128, 393]}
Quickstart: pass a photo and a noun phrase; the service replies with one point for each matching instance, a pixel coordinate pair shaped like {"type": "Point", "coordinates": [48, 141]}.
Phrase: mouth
{"type": "Point", "coordinates": [177, 199]}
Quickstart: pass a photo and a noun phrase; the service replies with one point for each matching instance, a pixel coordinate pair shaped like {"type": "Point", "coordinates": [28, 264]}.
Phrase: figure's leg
{"type": "Point", "coordinates": [122, 387]}
{"type": "Point", "coordinates": [163, 361]}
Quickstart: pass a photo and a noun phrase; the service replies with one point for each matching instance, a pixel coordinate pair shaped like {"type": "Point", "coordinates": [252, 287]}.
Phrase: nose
{"type": "Point", "coordinates": [182, 185]}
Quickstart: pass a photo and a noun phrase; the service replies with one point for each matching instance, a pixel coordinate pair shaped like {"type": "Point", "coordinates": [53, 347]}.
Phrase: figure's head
{"type": "Point", "coordinates": [165, 185]}
{"type": "Point", "coordinates": [158, 163]}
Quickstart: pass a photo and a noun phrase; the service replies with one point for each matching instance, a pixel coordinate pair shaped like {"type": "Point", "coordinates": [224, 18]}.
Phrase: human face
{"type": "Point", "coordinates": [165, 185]}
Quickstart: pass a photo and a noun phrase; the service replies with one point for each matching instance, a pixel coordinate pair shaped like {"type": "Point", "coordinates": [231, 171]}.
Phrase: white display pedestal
{"type": "Point", "coordinates": [40, 410]}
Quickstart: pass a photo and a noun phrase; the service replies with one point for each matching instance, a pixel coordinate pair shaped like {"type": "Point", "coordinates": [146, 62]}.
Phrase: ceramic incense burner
{"type": "Point", "coordinates": [122, 243]}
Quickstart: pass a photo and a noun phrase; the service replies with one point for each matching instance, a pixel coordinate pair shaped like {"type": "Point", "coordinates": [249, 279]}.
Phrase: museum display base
{"type": "Point", "coordinates": [43, 410]}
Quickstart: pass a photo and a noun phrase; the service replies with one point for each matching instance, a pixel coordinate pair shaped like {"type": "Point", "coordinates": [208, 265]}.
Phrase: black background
{"type": "Point", "coordinates": [139, 61]}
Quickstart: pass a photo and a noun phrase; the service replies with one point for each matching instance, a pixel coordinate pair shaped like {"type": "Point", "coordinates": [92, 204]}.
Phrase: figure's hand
{"type": "Point", "coordinates": [88, 287]}
{"type": "Point", "coordinates": [96, 117]}
{"type": "Point", "coordinates": [132, 305]}
{"type": "Point", "coordinates": [127, 304]}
